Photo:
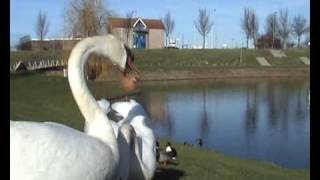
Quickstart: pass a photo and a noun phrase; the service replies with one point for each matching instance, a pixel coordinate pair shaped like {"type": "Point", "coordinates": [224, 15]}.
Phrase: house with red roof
{"type": "Point", "coordinates": [138, 32]}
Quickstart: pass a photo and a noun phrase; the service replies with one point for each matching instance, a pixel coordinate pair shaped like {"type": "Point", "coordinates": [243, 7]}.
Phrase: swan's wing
{"type": "Point", "coordinates": [139, 146]}
{"type": "Point", "coordinates": [122, 107]}
{"type": "Point", "coordinates": [104, 105]}
{"type": "Point", "coordinates": [115, 127]}
{"type": "Point", "coordinates": [109, 111]}
{"type": "Point", "coordinates": [54, 151]}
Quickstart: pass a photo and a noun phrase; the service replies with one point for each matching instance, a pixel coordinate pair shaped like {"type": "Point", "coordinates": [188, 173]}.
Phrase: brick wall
{"type": "Point", "coordinates": [156, 39]}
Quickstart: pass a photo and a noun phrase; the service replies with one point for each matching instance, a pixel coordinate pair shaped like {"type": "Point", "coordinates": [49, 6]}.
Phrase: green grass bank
{"type": "Point", "coordinates": [176, 59]}
{"type": "Point", "coordinates": [39, 97]}
{"type": "Point", "coordinates": [172, 64]}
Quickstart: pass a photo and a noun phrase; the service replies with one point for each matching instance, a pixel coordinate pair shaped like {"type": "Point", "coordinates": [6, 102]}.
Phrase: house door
{"type": "Point", "coordinates": [140, 40]}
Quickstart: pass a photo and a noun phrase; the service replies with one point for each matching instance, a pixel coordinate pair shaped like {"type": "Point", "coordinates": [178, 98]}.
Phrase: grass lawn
{"type": "Point", "coordinates": [185, 59]}
{"type": "Point", "coordinates": [195, 163]}
{"type": "Point", "coordinates": [39, 97]}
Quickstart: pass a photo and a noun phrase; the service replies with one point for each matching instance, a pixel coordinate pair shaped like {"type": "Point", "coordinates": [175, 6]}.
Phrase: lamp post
{"type": "Point", "coordinates": [214, 24]}
{"type": "Point", "coordinates": [273, 26]}
{"type": "Point", "coordinates": [232, 45]}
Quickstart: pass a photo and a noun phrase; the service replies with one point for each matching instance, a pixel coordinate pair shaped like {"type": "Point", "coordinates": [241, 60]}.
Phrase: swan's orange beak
{"type": "Point", "coordinates": [130, 73]}
{"type": "Point", "coordinates": [130, 67]}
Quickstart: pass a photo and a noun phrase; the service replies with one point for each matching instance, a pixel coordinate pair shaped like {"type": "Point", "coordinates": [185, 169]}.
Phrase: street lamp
{"type": "Point", "coordinates": [214, 24]}
{"type": "Point", "coordinates": [273, 26]}
{"type": "Point", "coordinates": [232, 45]}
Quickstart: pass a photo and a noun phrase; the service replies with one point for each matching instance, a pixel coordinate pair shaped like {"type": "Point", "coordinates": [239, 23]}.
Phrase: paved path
{"type": "Point", "coordinates": [305, 60]}
{"type": "Point", "coordinates": [277, 53]}
{"type": "Point", "coordinates": [263, 62]}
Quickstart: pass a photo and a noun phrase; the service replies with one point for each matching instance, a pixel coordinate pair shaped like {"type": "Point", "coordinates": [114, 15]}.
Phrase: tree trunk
{"type": "Point", "coordinates": [247, 41]}
{"type": "Point", "coordinates": [166, 41]}
{"type": "Point", "coordinates": [204, 42]}
{"type": "Point", "coordinates": [298, 41]}
{"type": "Point", "coordinates": [284, 43]}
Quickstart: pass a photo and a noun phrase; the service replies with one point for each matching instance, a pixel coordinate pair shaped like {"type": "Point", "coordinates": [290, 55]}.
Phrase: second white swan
{"type": "Point", "coordinates": [143, 155]}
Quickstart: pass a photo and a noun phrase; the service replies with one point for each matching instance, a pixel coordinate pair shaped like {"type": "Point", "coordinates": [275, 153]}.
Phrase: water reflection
{"type": "Point", "coordinates": [267, 120]}
{"type": "Point", "coordinates": [251, 111]}
{"type": "Point", "coordinates": [204, 118]}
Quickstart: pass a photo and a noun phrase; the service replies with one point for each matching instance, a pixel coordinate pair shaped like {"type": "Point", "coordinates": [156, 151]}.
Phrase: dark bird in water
{"type": "Point", "coordinates": [185, 143]}
{"type": "Point", "coordinates": [200, 142]}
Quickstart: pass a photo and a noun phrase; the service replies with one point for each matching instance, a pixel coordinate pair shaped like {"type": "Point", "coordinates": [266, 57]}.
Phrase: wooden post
{"type": "Point", "coordinates": [241, 55]}
{"type": "Point", "coordinates": [65, 72]}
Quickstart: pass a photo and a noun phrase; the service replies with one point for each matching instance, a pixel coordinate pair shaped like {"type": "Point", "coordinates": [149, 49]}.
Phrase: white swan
{"type": "Point", "coordinates": [105, 107]}
{"type": "Point", "coordinates": [126, 138]}
{"type": "Point", "coordinates": [47, 150]}
{"type": "Point", "coordinates": [143, 156]}
{"type": "Point", "coordinates": [126, 141]}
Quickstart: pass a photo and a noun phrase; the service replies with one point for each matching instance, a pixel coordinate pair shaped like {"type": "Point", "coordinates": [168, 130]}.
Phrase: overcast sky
{"type": "Point", "coordinates": [226, 15]}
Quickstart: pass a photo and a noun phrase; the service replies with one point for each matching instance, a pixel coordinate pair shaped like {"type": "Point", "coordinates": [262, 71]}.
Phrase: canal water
{"type": "Point", "coordinates": [267, 120]}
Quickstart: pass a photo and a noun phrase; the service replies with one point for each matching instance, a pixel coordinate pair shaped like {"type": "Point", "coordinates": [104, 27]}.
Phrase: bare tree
{"type": "Point", "coordinates": [284, 27]}
{"type": "Point", "coordinates": [254, 27]}
{"type": "Point", "coordinates": [307, 40]}
{"type": "Point", "coordinates": [203, 25]}
{"type": "Point", "coordinates": [245, 24]}
{"type": "Point", "coordinates": [299, 27]}
{"type": "Point", "coordinates": [168, 22]}
{"type": "Point", "coordinates": [42, 25]}
{"type": "Point", "coordinates": [250, 25]}
{"type": "Point", "coordinates": [86, 18]}
{"type": "Point", "coordinates": [129, 22]}
{"type": "Point", "coordinates": [271, 25]}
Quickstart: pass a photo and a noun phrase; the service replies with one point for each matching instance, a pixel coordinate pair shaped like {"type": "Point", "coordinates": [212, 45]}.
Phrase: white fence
{"type": "Point", "coordinates": [36, 65]}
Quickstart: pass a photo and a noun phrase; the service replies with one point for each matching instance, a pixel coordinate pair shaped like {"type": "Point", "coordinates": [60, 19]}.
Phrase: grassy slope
{"type": "Point", "coordinates": [39, 97]}
{"type": "Point", "coordinates": [171, 59]}
{"type": "Point", "coordinates": [195, 163]}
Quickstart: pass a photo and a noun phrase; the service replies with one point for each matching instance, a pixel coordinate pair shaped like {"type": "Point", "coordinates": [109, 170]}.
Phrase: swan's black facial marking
{"type": "Point", "coordinates": [130, 66]}
{"type": "Point", "coordinates": [114, 115]}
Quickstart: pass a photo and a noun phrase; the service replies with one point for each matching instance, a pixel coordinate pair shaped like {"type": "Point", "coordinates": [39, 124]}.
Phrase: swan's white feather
{"type": "Point", "coordinates": [143, 160]}
{"type": "Point", "coordinates": [46, 150]}
{"type": "Point", "coordinates": [49, 151]}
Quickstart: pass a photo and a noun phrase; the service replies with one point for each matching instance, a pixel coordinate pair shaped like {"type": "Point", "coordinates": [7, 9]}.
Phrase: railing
{"type": "Point", "coordinates": [37, 65]}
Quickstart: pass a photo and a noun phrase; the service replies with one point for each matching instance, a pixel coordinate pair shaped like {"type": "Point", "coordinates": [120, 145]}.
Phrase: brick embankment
{"type": "Point", "coordinates": [218, 73]}
{"type": "Point", "coordinates": [228, 73]}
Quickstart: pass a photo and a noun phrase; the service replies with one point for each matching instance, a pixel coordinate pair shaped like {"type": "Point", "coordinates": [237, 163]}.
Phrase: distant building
{"type": "Point", "coordinates": [47, 44]}
{"type": "Point", "coordinates": [266, 41]}
{"type": "Point", "coordinates": [225, 46]}
{"type": "Point", "coordinates": [143, 33]}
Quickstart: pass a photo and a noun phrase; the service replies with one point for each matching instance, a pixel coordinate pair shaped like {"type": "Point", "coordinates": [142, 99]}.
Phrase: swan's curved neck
{"type": "Point", "coordinates": [97, 123]}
